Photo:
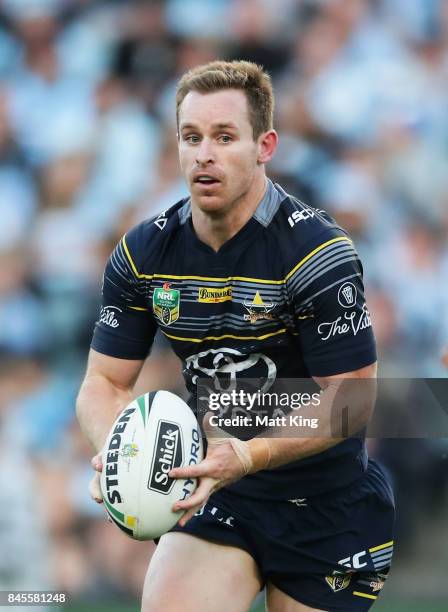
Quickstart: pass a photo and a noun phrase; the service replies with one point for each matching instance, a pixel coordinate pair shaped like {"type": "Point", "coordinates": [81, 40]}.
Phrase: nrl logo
{"type": "Point", "coordinates": [166, 304]}
{"type": "Point", "coordinates": [258, 309]}
{"type": "Point", "coordinates": [129, 450]}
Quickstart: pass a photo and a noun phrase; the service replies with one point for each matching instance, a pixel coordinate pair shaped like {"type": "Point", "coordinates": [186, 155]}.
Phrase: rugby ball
{"type": "Point", "coordinates": [154, 433]}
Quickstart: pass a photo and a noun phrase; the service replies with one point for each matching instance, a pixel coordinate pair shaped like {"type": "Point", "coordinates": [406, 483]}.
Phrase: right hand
{"type": "Point", "coordinates": [94, 485]}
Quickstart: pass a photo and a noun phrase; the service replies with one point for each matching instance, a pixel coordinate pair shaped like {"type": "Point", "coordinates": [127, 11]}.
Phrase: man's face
{"type": "Point", "coordinates": [218, 154]}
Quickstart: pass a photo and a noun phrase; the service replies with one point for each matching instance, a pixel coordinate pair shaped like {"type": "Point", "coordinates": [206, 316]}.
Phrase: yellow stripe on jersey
{"type": "Point", "coordinates": [195, 277]}
{"type": "Point", "coordinates": [366, 595]}
{"type": "Point", "coordinates": [316, 250]}
{"type": "Point", "coordinates": [386, 545]}
{"type": "Point", "coordinates": [226, 279]}
{"type": "Point", "coordinates": [222, 279]}
{"type": "Point", "coordinates": [263, 337]}
{"type": "Point", "coordinates": [131, 261]}
{"type": "Point", "coordinates": [138, 308]}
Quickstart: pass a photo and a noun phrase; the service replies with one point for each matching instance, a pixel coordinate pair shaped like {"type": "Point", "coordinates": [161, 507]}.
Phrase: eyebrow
{"type": "Point", "coordinates": [219, 126]}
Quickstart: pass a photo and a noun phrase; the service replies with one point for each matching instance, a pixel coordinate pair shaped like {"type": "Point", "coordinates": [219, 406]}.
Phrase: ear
{"type": "Point", "coordinates": [266, 144]}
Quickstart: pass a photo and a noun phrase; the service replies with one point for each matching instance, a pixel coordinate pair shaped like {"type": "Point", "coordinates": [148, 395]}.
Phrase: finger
{"type": "Point", "coordinates": [191, 471]}
{"type": "Point", "coordinates": [97, 463]}
{"type": "Point", "coordinates": [188, 515]}
{"type": "Point", "coordinates": [199, 497]}
{"type": "Point", "coordinates": [95, 489]}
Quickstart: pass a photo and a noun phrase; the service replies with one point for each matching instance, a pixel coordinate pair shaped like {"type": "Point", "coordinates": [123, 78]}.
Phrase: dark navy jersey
{"type": "Point", "coordinates": [283, 298]}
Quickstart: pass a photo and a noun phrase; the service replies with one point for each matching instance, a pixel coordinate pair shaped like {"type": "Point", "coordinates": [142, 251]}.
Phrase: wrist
{"type": "Point", "coordinates": [261, 454]}
{"type": "Point", "coordinates": [254, 455]}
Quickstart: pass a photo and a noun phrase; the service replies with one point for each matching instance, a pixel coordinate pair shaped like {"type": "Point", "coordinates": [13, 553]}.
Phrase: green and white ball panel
{"type": "Point", "coordinates": [154, 433]}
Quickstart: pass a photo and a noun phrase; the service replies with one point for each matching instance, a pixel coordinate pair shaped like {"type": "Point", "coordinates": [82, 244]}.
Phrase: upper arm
{"type": "Point", "coordinates": [352, 399]}
{"type": "Point", "coordinates": [126, 327]}
{"type": "Point", "coordinates": [365, 372]}
{"type": "Point", "coordinates": [120, 373]}
{"type": "Point", "coordinates": [331, 315]}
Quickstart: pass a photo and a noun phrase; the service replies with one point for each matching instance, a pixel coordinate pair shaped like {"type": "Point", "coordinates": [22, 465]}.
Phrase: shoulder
{"type": "Point", "coordinates": [305, 233]}
{"type": "Point", "coordinates": [145, 240]}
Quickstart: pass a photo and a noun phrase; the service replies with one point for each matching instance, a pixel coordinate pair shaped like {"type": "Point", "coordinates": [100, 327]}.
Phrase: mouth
{"type": "Point", "coordinates": [206, 180]}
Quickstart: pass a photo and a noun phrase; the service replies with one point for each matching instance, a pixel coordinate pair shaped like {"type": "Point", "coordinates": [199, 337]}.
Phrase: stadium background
{"type": "Point", "coordinates": [87, 149]}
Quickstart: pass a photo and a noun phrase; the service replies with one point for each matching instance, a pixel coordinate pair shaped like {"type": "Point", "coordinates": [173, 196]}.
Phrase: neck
{"type": "Point", "coordinates": [216, 229]}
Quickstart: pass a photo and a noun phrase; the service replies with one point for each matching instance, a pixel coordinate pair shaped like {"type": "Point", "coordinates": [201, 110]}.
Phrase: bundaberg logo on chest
{"type": "Point", "coordinates": [214, 295]}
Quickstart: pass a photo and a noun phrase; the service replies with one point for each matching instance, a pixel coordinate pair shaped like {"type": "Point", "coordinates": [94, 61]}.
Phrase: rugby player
{"type": "Point", "coordinates": [245, 280]}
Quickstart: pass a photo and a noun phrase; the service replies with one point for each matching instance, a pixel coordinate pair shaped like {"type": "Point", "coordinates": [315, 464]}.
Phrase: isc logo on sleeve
{"type": "Point", "coordinates": [303, 215]}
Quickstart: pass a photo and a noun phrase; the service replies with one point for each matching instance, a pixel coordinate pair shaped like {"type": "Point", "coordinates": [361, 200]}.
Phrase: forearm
{"type": "Point", "coordinates": [99, 402]}
{"type": "Point", "coordinates": [344, 410]}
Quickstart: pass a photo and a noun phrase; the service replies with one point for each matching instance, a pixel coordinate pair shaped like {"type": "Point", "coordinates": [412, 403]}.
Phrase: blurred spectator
{"type": "Point", "coordinates": [18, 200]}
{"type": "Point", "coordinates": [259, 34]}
{"type": "Point", "coordinates": [193, 18]}
{"type": "Point", "coordinates": [146, 53]}
{"type": "Point", "coordinates": [86, 43]}
{"type": "Point", "coordinates": [126, 149]}
{"type": "Point", "coordinates": [23, 323]}
{"type": "Point", "coordinates": [46, 107]}
{"type": "Point", "coordinates": [23, 529]}
{"type": "Point", "coordinates": [169, 186]}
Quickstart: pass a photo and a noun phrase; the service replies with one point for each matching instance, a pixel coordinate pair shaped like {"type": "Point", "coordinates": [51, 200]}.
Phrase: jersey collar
{"type": "Point", "coordinates": [264, 213]}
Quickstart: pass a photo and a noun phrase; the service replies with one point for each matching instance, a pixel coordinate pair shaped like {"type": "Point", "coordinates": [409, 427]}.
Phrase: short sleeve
{"type": "Point", "coordinates": [125, 327]}
{"type": "Point", "coordinates": [331, 316]}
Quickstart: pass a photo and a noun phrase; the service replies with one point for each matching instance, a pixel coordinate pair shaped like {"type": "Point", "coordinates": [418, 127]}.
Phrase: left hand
{"type": "Point", "coordinates": [220, 467]}
{"type": "Point", "coordinates": [94, 485]}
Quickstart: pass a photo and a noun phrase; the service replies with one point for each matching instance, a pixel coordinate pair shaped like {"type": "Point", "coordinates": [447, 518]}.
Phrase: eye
{"type": "Point", "coordinates": [225, 138]}
{"type": "Point", "coordinates": [191, 138]}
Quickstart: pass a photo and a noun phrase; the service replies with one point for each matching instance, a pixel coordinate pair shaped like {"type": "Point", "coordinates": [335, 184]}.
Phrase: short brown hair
{"type": "Point", "coordinates": [246, 76]}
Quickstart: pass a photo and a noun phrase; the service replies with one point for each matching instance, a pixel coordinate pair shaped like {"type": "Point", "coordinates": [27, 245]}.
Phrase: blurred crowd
{"type": "Point", "coordinates": [88, 149]}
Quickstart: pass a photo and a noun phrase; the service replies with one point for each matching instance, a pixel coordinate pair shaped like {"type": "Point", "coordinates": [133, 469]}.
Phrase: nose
{"type": "Point", "coordinates": [204, 153]}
